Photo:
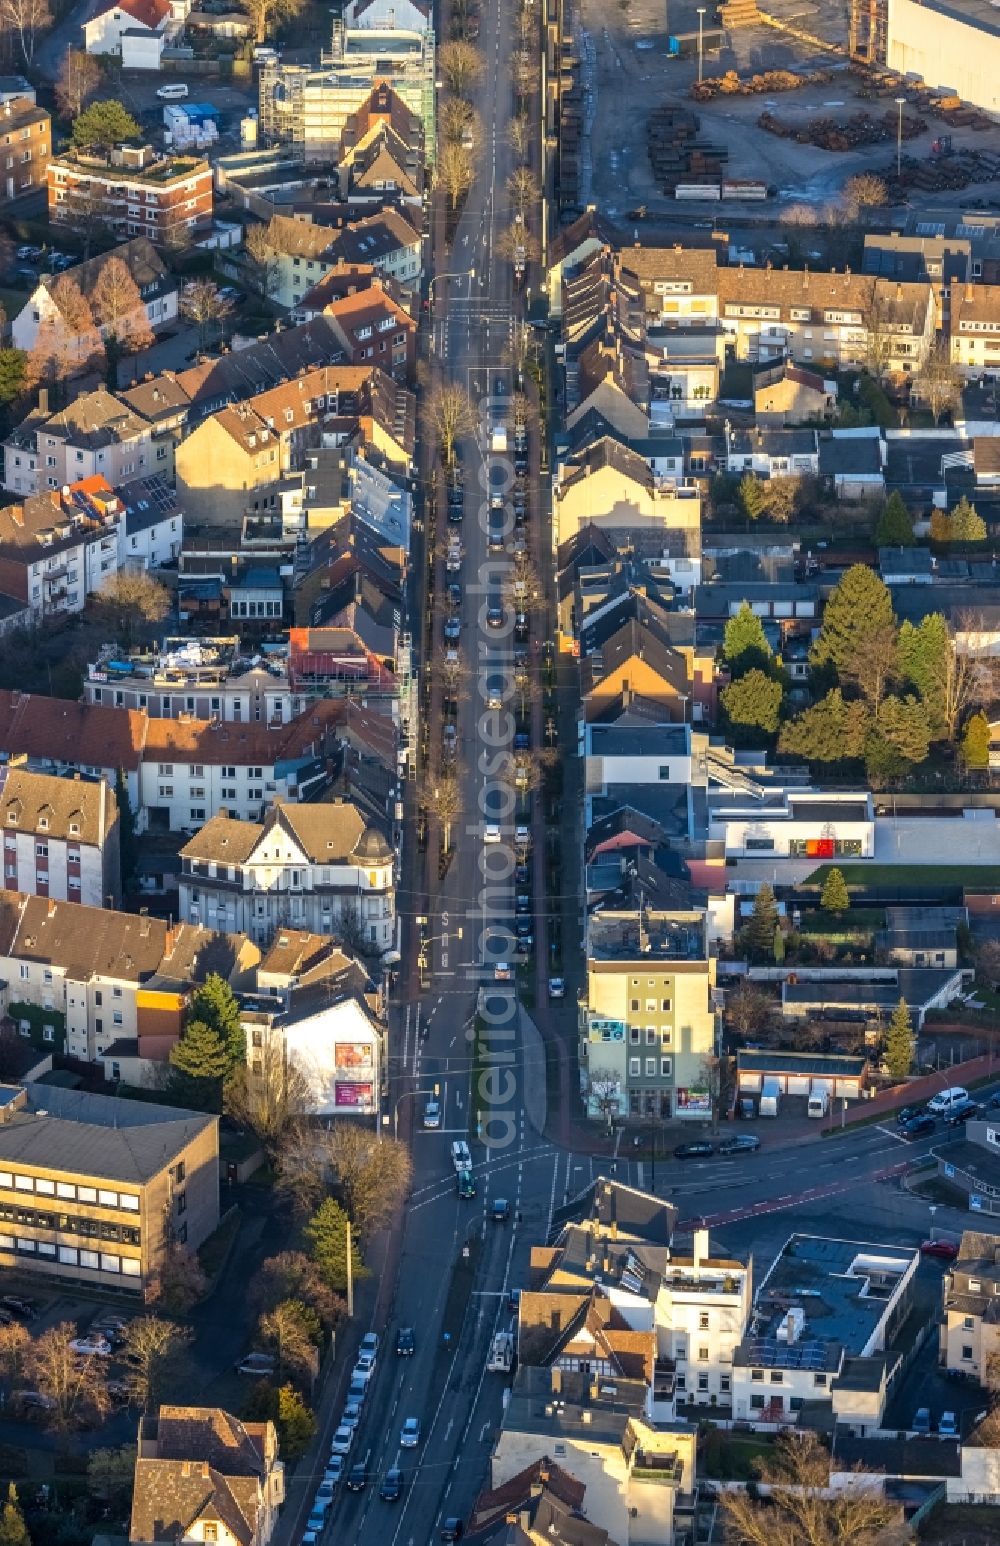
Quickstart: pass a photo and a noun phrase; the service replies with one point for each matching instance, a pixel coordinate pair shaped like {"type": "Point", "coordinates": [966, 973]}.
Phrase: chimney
{"type": "Point", "coordinates": [43, 399]}
{"type": "Point", "coordinates": [52, 907]}
{"type": "Point", "coordinates": [556, 1380]}
{"type": "Point", "coordinates": [699, 1247]}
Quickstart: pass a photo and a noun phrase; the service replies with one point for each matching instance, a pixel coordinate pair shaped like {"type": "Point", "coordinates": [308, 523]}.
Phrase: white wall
{"type": "Point", "coordinates": [945, 52]}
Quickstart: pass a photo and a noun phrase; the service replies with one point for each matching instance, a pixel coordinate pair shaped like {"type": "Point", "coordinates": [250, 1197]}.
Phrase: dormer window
{"type": "Point", "coordinates": [74, 829]}
{"type": "Point", "coordinates": [43, 823]}
{"type": "Point", "coordinates": [12, 818]}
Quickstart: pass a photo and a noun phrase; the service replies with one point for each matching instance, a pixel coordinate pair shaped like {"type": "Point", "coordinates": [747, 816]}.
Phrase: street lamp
{"type": "Point", "coordinates": [900, 104]}
{"type": "Point", "coordinates": [701, 19]}
{"type": "Point", "coordinates": [465, 273]}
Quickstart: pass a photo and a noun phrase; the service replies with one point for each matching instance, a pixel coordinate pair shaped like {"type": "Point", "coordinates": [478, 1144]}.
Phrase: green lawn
{"type": "Point", "coordinates": [984, 876]}
{"type": "Point", "coordinates": [730, 1457]}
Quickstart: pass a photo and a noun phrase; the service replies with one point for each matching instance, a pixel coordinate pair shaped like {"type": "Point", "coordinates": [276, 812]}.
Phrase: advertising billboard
{"type": "Point", "coordinates": [353, 1054]}
{"type": "Point", "coordinates": [694, 1102]}
{"type": "Point", "coordinates": [351, 1095]}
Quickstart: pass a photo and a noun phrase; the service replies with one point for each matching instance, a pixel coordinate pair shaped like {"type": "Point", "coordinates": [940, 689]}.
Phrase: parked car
{"type": "Point", "coordinates": [921, 1420]}
{"type": "Point", "coordinates": [23, 1309]}
{"type": "Point", "coordinates": [947, 1100]}
{"type": "Point", "coordinates": [948, 1426]}
{"type": "Point", "coordinates": [93, 1345]}
{"type": "Point", "coordinates": [697, 1150]}
{"type": "Point", "coordinates": [944, 1250]}
{"type": "Point", "coordinates": [257, 1365]}
{"type": "Point", "coordinates": [491, 832]}
{"type": "Point", "coordinates": [405, 1342]}
{"type": "Point", "coordinates": [503, 972]}
{"type": "Point", "coordinates": [743, 1143]}
{"type": "Point", "coordinates": [342, 1440]}
{"type": "Point", "coordinates": [917, 1127]}
{"type": "Point", "coordinates": [334, 1470]}
{"type": "Point", "coordinates": [358, 1389]}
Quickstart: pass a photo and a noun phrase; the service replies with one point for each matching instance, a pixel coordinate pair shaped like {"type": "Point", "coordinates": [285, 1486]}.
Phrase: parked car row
{"type": "Point", "coordinates": [952, 1106]}
{"type": "Point", "coordinates": [701, 1148]}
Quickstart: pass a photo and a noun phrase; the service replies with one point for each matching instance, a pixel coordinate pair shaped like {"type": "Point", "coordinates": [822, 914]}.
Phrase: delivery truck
{"type": "Point", "coordinates": [819, 1100]}
{"type": "Point", "coordinates": [770, 1098]}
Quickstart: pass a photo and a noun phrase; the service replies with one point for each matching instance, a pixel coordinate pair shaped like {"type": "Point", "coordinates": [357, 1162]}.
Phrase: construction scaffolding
{"type": "Point", "coordinates": [868, 31]}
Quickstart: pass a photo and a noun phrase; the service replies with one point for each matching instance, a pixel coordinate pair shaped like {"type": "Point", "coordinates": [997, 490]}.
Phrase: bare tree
{"type": "Point", "coordinates": [519, 135]}
{"type": "Point", "coordinates": [524, 72]}
{"type": "Point", "coordinates": [938, 381]}
{"type": "Point", "coordinates": [522, 190]}
{"type": "Point", "coordinates": [449, 416]}
{"type": "Point", "coordinates": [863, 191]}
{"type": "Point", "coordinates": [75, 1383]}
{"type": "Point", "coordinates": [453, 675]}
{"type": "Point", "coordinates": [120, 308]}
{"type": "Point", "coordinates": [130, 599]}
{"type": "Point", "coordinates": [455, 171]}
{"type": "Point", "coordinates": [15, 1343]}
{"type": "Point", "coordinates": [605, 1092]}
{"type": "Point", "coordinates": [517, 244]}
{"type": "Point", "coordinates": [303, 1167]}
{"type": "Point", "coordinates": [748, 1009]}
{"type": "Point", "coordinates": [84, 344]}
{"type": "Point", "coordinates": [459, 118]}
{"type": "Point", "coordinates": [374, 1175]}
{"type": "Point", "coordinates": [461, 66]}
{"type": "Point", "coordinates": [27, 18]}
{"type": "Point", "coordinates": [266, 13]}
{"type": "Point", "coordinates": [873, 665]}
{"type": "Point", "coordinates": [180, 1282]}
{"type": "Point", "coordinates": [288, 1331]}
{"type": "Point", "coordinates": [442, 798]}
{"type": "Point", "coordinates": [263, 258]}
{"type": "Point", "coordinates": [267, 1094]}
{"type": "Point", "coordinates": [77, 82]}
{"type": "Point", "coordinates": [292, 1275]}
{"type": "Point", "coordinates": [152, 1345]}
{"type": "Point", "coordinates": [800, 1508]}
{"type": "Point", "coordinates": [203, 303]}
{"type": "Point", "coordinates": [878, 340]}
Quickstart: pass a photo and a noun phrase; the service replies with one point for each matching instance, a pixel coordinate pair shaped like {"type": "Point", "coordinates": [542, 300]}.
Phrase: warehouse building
{"type": "Point", "coordinates": [954, 48]}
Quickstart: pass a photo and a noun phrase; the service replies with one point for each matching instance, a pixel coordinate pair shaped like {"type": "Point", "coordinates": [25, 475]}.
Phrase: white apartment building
{"type": "Point", "coordinates": [824, 1320]}
{"type": "Point", "coordinates": [794, 824]}
{"type": "Point", "coordinates": [321, 868]}
{"type": "Point", "coordinates": [340, 1051]}
{"type": "Point", "coordinates": [701, 1313]}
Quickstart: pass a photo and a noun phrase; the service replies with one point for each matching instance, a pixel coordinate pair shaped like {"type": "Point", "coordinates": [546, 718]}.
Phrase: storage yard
{"type": "Point", "coordinates": [772, 110]}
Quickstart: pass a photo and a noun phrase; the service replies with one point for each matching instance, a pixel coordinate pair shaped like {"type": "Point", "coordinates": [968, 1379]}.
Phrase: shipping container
{"type": "Point", "coordinates": [705, 192]}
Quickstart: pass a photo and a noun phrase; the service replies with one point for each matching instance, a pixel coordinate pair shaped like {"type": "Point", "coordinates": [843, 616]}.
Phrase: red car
{"type": "Point", "coordinates": [945, 1250]}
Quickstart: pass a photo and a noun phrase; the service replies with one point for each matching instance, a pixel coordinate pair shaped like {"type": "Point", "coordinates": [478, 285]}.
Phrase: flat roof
{"type": "Point", "coordinates": [842, 1288]}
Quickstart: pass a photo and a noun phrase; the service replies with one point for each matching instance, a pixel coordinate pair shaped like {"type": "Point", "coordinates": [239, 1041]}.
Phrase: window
{"type": "Point", "coordinates": [725, 1382]}
{"type": "Point", "coordinates": [666, 1006]}
{"type": "Point", "coordinates": [756, 1374]}
{"type": "Point", "coordinates": [703, 1320]}
{"type": "Point", "coordinates": [968, 1323]}
{"type": "Point", "coordinates": [666, 1065]}
{"type": "Point", "coordinates": [757, 1403]}
{"type": "Point", "coordinates": [967, 1352]}
{"type": "Point", "coordinates": [634, 1065]}
{"type": "Point", "coordinates": [107, 1199]}
{"type": "Point", "coordinates": [651, 1037]}
{"type": "Point", "coordinates": [703, 1382]}
{"type": "Point", "coordinates": [681, 1382]}
{"type": "Point", "coordinates": [633, 1035]}
{"type": "Point", "coordinates": [650, 1068]}
{"type": "Point", "coordinates": [776, 1377]}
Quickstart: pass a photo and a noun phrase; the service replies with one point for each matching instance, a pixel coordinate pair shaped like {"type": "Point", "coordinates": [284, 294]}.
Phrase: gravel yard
{"type": "Point", "coordinates": [629, 73]}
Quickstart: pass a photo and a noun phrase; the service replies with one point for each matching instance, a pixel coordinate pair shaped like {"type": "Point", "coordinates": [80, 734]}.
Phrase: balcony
{"type": "Point", "coordinates": [664, 1470]}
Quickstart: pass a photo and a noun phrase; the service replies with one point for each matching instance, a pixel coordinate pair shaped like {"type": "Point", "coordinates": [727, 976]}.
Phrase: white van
{"type": "Point", "coordinates": [819, 1102]}
{"type": "Point", "coordinates": [175, 93]}
{"type": "Point", "coordinates": [945, 1100]}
